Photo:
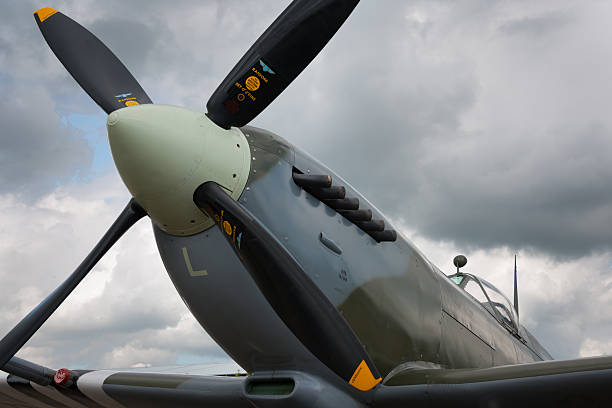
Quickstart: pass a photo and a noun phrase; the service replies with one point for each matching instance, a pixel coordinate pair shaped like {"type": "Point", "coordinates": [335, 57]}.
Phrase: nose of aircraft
{"type": "Point", "coordinates": [163, 153]}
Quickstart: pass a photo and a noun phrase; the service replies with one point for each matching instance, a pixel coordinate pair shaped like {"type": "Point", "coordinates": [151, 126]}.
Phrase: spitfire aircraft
{"type": "Point", "coordinates": [343, 311]}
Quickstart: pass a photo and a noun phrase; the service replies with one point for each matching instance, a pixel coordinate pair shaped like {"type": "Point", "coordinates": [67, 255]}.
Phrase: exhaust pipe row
{"type": "Point", "coordinates": [320, 186]}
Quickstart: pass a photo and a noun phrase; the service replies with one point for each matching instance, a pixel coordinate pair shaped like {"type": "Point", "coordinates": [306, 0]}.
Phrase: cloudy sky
{"type": "Point", "coordinates": [480, 127]}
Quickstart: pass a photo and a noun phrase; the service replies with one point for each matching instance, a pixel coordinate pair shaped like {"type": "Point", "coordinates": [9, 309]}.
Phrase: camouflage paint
{"type": "Point", "coordinates": [404, 310]}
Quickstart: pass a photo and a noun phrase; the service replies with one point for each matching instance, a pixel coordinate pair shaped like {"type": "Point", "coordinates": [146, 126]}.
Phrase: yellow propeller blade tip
{"type": "Point", "coordinates": [44, 13]}
{"type": "Point", "coordinates": [363, 379]}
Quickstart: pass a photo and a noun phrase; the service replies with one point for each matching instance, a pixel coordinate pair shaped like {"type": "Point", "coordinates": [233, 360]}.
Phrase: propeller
{"type": "Point", "coordinates": [21, 333]}
{"type": "Point", "coordinates": [90, 62]}
{"type": "Point", "coordinates": [276, 59]}
{"type": "Point", "coordinates": [112, 86]}
{"type": "Point", "coordinates": [297, 300]}
{"type": "Point", "coordinates": [281, 53]}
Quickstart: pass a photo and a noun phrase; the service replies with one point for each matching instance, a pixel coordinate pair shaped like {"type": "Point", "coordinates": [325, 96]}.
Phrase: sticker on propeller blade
{"type": "Point", "coordinates": [232, 106]}
{"type": "Point", "coordinates": [252, 83]}
{"type": "Point", "coordinates": [123, 95]}
{"type": "Point", "coordinates": [227, 227]}
{"type": "Point", "coordinates": [259, 74]}
{"type": "Point", "coordinates": [245, 91]}
{"type": "Point", "coordinates": [254, 79]}
{"type": "Point", "coordinates": [129, 101]}
{"type": "Point", "coordinates": [254, 89]}
{"type": "Point", "coordinates": [265, 67]}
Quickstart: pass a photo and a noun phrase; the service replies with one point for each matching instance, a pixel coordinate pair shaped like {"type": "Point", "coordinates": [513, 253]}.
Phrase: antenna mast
{"type": "Point", "coordinates": [515, 289]}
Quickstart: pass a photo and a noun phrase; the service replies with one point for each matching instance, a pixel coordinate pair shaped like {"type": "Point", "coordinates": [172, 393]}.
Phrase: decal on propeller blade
{"type": "Point", "coordinates": [123, 95]}
{"type": "Point", "coordinates": [254, 80]}
{"type": "Point", "coordinates": [245, 91]}
{"type": "Point", "coordinates": [229, 228]}
{"type": "Point", "coordinates": [266, 68]}
{"type": "Point", "coordinates": [260, 75]}
{"type": "Point", "coordinates": [232, 106]}
{"type": "Point", "coordinates": [131, 101]}
{"type": "Point", "coordinates": [252, 83]}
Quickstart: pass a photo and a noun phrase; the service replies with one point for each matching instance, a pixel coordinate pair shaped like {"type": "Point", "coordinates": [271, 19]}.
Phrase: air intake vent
{"type": "Point", "coordinates": [270, 386]}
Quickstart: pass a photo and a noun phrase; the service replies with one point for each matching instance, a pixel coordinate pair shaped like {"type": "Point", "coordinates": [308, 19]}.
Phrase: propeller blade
{"type": "Point", "coordinates": [38, 374]}
{"type": "Point", "coordinates": [90, 62]}
{"type": "Point", "coordinates": [21, 333]}
{"type": "Point", "coordinates": [297, 300]}
{"type": "Point", "coordinates": [276, 59]}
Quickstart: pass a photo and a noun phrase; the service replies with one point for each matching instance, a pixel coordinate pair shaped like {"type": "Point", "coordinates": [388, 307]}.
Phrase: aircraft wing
{"type": "Point", "coordinates": [585, 382]}
{"type": "Point", "coordinates": [564, 383]}
{"type": "Point", "coordinates": [116, 389]}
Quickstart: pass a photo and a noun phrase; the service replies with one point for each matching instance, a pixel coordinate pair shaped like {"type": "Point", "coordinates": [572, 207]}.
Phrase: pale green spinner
{"type": "Point", "coordinates": [163, 153]}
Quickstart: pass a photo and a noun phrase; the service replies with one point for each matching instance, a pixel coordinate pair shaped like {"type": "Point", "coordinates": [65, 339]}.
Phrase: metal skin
{"type": "Point", "coordinates": [405, 311]}
{"type": "Point", "coordinates": [411, 319]}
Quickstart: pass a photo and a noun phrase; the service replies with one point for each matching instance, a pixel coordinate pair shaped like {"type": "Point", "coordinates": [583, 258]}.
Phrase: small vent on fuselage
{"type": "Point", "coordinates": [270, 386]}
{"type": "Point", "coordinates": [320, 186]}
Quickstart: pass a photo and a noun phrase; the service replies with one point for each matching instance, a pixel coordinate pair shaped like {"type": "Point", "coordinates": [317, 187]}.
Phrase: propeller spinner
{"type": "Point", "coordinates": [163, 153]}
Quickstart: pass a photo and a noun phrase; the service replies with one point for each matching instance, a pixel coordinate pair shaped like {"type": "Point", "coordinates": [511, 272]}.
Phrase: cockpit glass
{"type": "Point", "coordinates": [500, 302]}
{"type": "Point", "coordinates": [473, 288]}
{"type": "Point", "coordinates": [489, 296]}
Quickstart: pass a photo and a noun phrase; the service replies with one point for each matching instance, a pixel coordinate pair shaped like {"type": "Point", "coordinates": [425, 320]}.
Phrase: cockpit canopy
{"type": "Point", "coordinates": [491, 298]}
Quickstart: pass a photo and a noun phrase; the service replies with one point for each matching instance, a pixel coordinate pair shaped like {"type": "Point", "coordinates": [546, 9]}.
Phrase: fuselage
{"type": "Point", "coordinates": [404, 310]}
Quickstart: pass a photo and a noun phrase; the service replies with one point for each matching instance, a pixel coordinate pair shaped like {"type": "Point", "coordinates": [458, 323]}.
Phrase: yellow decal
{"type": "Point", "coordinates": [190, 268]}
{"type": "Point", "coordinates": [259, 74]}
{"type": "Point", "coordinates": [44, 13]}
{"type": "Point", "coordinates": [227, 227]}
{"type": "Point", "coordinates": [363, 379]}
{"type": "Point", "coordinates": [244, 91]}
{"type": "Point", "coordinates": [252, 83]}
{"type": "Point", "coordinates": [240, 97]}
{"type": "Point", "coordinates": [131, 103]}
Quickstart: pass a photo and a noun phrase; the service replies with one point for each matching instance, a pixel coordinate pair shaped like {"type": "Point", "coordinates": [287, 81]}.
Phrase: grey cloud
{"type": "Point", "coordinates": [403, 120]}
{"type": "Point", "coordinates": [537, 25]}
{"type": "Point", "coordinates": [131, 41]}
{"type": "Point", "coordinates": [581, 311]}
{"type": "Point", "coordinates": [36, 150]}
{"type": "Point", "coordinates": [552, 198]}
{"type": "Point", "coordinates": [126, 306]}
